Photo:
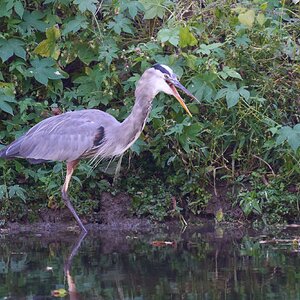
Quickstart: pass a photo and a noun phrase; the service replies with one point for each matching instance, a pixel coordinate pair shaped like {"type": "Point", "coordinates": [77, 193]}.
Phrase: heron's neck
{"type": "Point", "coordinates": [133, 125]}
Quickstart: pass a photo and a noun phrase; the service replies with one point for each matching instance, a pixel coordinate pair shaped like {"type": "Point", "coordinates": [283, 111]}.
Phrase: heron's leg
{"type": "Point", "coordinates": [64, 192]}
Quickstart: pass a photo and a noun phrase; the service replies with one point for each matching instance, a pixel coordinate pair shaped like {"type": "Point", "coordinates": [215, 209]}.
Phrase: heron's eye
{"type": "Point", "coordinates": [166, 76]}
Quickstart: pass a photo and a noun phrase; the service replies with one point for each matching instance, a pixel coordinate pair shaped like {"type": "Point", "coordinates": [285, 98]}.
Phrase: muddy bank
{"type": "Point", "coordinates": [114, 215]}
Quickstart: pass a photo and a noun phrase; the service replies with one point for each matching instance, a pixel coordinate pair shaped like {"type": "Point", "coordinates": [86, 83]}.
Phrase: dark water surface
{"type": "Point", "coordinates": [204, 262]}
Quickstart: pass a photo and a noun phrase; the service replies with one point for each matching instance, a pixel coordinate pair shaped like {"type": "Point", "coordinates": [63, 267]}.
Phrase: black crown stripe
{"type": "Point", "coordinates": [161, 68]}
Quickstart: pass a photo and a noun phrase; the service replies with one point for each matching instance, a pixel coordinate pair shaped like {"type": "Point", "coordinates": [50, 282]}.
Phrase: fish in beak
{"type": "Point", "coordinates": [174, 83]}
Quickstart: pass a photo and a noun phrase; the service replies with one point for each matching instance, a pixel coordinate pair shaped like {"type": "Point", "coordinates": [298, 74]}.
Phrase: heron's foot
{"type": "Point", "coordinates": [68, 203]}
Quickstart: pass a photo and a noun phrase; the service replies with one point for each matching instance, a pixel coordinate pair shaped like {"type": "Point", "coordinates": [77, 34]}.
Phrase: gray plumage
{"type": "Point", "coordinates": [65, 137]}
{"type": "Point", "coordinates": [92, 133]}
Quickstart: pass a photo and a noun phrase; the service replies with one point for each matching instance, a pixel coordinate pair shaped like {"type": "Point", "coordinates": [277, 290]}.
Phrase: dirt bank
{"type": "Point", "coordinates": [114, 214]}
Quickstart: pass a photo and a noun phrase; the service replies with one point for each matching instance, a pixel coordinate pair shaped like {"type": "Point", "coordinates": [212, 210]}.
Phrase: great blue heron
{"type": "Point", "coordinates": [92, 133]}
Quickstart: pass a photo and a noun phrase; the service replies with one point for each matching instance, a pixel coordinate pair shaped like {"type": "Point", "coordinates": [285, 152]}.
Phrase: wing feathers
{"type": "Point", "coordinates": [64, 137]}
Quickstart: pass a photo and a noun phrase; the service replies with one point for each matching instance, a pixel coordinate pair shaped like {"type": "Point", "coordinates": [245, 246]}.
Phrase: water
{"type": "Point", "coordinates": [206, 262]}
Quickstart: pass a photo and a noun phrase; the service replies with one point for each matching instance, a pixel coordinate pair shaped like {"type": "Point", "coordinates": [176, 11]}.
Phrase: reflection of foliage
{"type": "Point", "coordinates": [201, 264]}
{"type": "Point", "coordinates": [240, 60]}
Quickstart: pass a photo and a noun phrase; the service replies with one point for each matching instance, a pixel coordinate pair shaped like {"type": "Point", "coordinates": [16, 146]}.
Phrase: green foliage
{"type": "Point", "coordinates": [48, 46]}
{"type": "Point", "coordinates": [193, 196]}
{"type": "Point", "coordinates": [10, 47]}
{"type": "Point", "coordinates": [120, 24]}
{"type": "Point", "coordinates": [9, 196]}
{"type": "Point", "coordinates": [240, 60]}
{"type": "Point", "coordinates": [6, 97]}
{"type": "Point", "coordinates": [292, 135]}
{"type": "Point", "coordinates": [88, 5]}
{"type": "Point", "coordinates": [10, 192]}
{"type": "Point", "coordinates": [270, 201]}
{"type": "Point", "coordinates": [152, 201]}
{"type": "Point", "coordinates": [155, 8]}
{"type": "Point", "coordinates": [231, 92]}
{"type": "Point", "coordinates": [43, 70]}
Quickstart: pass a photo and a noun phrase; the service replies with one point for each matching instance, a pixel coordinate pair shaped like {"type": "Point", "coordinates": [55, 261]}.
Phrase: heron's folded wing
{"type": "Point", "coordinates": [63, 137]}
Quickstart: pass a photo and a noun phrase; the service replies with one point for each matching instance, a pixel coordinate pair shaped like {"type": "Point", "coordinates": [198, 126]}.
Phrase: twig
{"type": "Point", "coordinates": [259, 158]}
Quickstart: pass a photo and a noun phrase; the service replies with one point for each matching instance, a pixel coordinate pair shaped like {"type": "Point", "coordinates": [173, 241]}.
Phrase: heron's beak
{"type": "Point", "coordinates": [175, 83]}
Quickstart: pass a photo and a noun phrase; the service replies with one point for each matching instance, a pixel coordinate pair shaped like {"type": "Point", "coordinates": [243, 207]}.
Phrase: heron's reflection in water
{"type": "Point", "coordinates": [74, 295]}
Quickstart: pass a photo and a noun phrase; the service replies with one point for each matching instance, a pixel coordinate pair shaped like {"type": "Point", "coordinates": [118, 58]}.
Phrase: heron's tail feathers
{"type": "Point", "coordinates": [12, 150]}
{"type": "Point", "coordinates": [7, 153]}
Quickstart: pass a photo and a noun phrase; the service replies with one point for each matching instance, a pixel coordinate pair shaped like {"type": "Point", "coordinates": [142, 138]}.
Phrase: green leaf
{"type": "Point", "coordinates": [256, 206]}
{"type": "Point", "coordinates": [231, 73]}
{"type": "Point", "coordinates": [138, 146]}
{"type": "Point", "coordinates": [194, 129]}
{"type": "Point", "coordinates": [32, 21]}
{"type": "Point", "coordinates": [156, 112]}
{"type": "Point", "coordinates": [90, 84]}
{"type": "Point", "coordinates": [243, 41]}
{"type": "Point", "coordinates": [132, 6]}
{"type": "Point", "coordinates": [204, 49]}
{"type": "Point", "coordinates": [80, 22]}
{"type": "Point", "coordinates": [5, 9]}
{"type": "Point", "coordinates": [220, 94]}
{"type": "Point", "coordinates": [108, 51]}
{"type": "Point", "coordinates": [47, 47]}
{"type": "Point", "coordinates": [5, 97]}
{"type": "Point", "coordinates": [155, 8]}
{"type": "Point", "coordinates": [177, 129]}
{"type": "Point", "coordinates": [186, 37]}
{"type": "Point", "coordinates": [169, 35]}
{"type": "Point", "coordinates": [231, 86]}
{"type": "Point", "coordinates": [297, 128]}
{"type": "Point", "coordinates": [58, 167]}
{"type": "Point", "coordinates": [87, 5]}
{"type": "Point", "coordinates": [120, 24]}
{"type": "Point", "coordinates": [261, 19]}
{"type": "Point", "coordinates": [247, 18]}
{"type": "Point", "coordinates": [16, 190]}
{"type": "Point", "coordinates": [3, 191]}
{"type": "Point", "coordinates": [53, 33]}
{"type": "Point", "coordinates": [10, 47]}
{"type": "Point", "coordinates": [4, 106]}
{"type": "Point", "coordinates": [244, 93]}
{"type": "Point", "coordinates": [231, 93]}
{"type": "Point", "coordinates": [232, 98]}
{"type": "Point", "coordinates": [19, 8]}
{"type": "Point", "coordinates": [208, 49]}
{"type": "Point", "coordinates": [86, 53]}
{"type": "Point", "coordinates": [44, 48]}
{"type": "Point", "coordinates": [44, 69]}
{"type": "Point", "coordinates": [292, 135]}
{"type": "Point", "coordinates": [264, 6]}
{"type": "Point", "coordinates": [184, 143]}
{"type": "Point", "coordinates": [203, 87]}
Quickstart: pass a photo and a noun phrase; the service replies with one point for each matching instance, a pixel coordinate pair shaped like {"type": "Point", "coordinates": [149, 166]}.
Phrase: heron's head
{"type": "Point", "coordinates": [161, 78]}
